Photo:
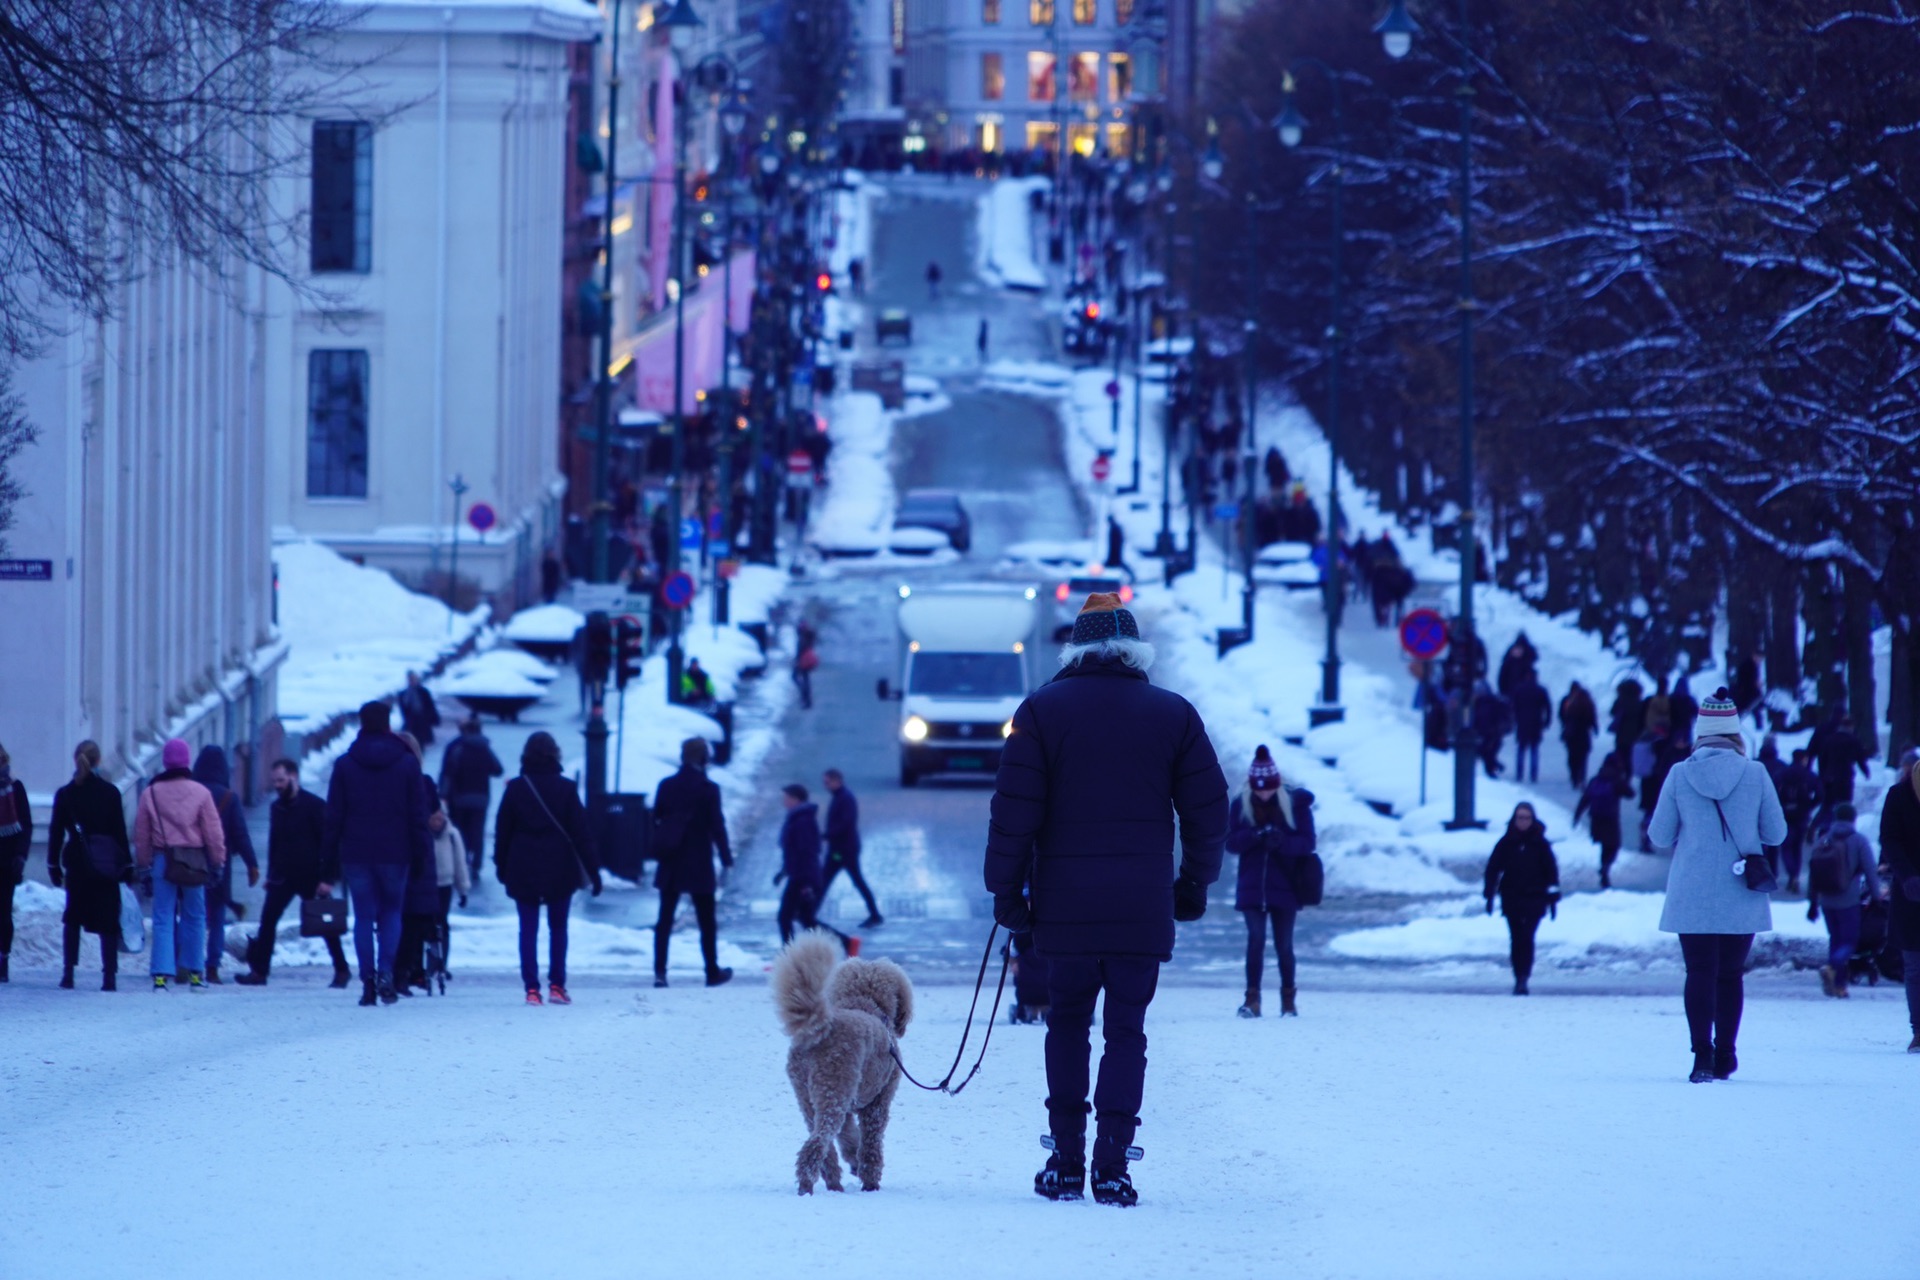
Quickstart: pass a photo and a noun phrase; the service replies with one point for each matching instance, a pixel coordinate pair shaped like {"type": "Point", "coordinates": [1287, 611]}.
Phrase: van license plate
{"type": "Point", "coordinates": [966, 762]}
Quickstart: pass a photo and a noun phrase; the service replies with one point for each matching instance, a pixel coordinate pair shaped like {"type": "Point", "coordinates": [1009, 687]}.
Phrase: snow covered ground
{"type": "Point", "coordinates": [1005, 245]}
{"type": "Point", "coordinates": [653, 1133]}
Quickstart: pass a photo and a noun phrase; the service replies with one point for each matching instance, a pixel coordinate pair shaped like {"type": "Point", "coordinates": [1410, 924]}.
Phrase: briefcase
{"type": "Point", "coordinates": [323, 917]}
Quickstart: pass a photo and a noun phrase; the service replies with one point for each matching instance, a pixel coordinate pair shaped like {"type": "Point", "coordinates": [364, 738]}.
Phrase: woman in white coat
{"type": "Point", "coordinates": [1716, 807]}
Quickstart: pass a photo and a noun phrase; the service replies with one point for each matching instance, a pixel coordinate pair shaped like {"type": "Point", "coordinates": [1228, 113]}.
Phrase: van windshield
{"type": "Point", "coordinates": [967, 675]}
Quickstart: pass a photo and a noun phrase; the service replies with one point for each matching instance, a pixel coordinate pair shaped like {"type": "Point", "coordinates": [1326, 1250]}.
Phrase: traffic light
{"type": "Point", "coordinates": [630, 651]}
{"type": "Point", "coordinates": [599, 648]}
{"type": "Point", "coordinates": [1091, 311]}
{"type": "Point", "coordinates": [824, 282]}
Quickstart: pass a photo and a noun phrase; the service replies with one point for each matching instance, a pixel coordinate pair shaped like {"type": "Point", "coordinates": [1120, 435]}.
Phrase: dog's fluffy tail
{"type": "Point", "coordinates": [800, 975]}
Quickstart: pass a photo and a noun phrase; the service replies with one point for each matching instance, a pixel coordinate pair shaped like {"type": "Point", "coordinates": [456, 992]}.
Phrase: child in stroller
{"type": "Point", "coordinates": [1872, 958]}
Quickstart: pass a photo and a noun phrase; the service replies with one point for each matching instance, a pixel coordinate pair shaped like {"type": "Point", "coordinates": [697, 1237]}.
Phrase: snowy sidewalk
{"type": "Point", "coordinates": [653, 1133]}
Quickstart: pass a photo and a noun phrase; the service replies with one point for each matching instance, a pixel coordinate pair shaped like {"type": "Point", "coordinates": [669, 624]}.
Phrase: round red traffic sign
{"type": "Point", "coordinates": [1423, 634]}
{"type": "Point", "coordinates": [799, 462]}
{"type": "Point", "coordinates": [1102, 467]}
{"type": "Point", "coordinates": [481, 517]}
{"type": "Point", "coordinates": [677, 591]}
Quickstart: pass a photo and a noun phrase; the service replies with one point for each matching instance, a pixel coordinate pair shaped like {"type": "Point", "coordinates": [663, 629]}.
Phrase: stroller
{"type": "Point", "coordinates": [1029, 1006]}
{"type": "Point", "coordinates": [1872, 957]}
{"type": "Point", "coordinates": [436, 958]}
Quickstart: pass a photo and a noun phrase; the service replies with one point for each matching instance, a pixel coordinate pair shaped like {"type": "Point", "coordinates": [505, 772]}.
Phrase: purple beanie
{"type": "Point", "coordinates": [176, 754]}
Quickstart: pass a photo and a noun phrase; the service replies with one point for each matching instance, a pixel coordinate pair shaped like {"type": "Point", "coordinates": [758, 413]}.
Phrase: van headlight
{"type": "Point", "coordinates": [914, 730]}
{"type": "Point", "coordinates": [1006, 730]}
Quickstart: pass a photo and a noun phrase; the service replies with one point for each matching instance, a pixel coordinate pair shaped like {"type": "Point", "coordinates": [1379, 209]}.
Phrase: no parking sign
{"type": "Point", "coordinates": [1423, 634]}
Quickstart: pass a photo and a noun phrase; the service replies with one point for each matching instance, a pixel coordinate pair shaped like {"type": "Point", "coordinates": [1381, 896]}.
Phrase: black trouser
{"type": "Point", "coordinates": [556, 942]}
{"type": "Point", "coordinates": [1714, 991]}
{"type": "Point", "coordinates": [1073, 984]}
{"type": "Point", "coordinates": [799, 904]}
{"type": "Point", "coordinates": [663, 929]}
{"type": "Point", "coordinates": [109, 947]}
{"type": "Point", "coordinates": [279, 898]}
{"type": "Point", "coordinates": [446, 922]}
{"type": "Point", "coordinates": [1790, 851]}
{"type": "Point", "coordinates": [1911, 959]}
{"type": "Point", "coordinates": [1609, 842]}
{"type": "Point", "coordinates": [1577, 754]}
{"type": "Point", "coordinates": [6, 915]}
{"type": "Point", "coordinates": [1523, 921]}
{"type": "Point", "coordinates": [1282, 918]}
{"type": "Point", "coordinates": [470, 820]}
{"type": "Point", "coordinates": [849, 863]}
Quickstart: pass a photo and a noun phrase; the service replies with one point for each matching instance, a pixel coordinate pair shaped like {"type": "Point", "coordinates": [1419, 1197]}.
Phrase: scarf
{"type": "Point", "coordinates": [9, 814]}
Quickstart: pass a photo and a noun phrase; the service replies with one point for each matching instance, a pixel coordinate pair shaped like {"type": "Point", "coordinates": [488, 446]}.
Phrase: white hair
{"type": "Point", "coordinates": [1137, 654]}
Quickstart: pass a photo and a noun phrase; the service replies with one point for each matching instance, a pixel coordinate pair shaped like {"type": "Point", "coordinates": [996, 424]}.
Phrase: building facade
{"type": "Point", "coordinates": [138, 602]}
{"type": "Point", "coordinates": [1019, 75]}
{"type": "Point", "coordinates": [414, 377]}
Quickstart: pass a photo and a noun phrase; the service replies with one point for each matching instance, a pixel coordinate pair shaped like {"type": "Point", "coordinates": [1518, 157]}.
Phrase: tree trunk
{"type": "Point", "coordinates": [1783, 646]}
{"type": "Point", "coordinates": [1902, 685]}
{"type": "Point", "coordinates": [1858, 612]}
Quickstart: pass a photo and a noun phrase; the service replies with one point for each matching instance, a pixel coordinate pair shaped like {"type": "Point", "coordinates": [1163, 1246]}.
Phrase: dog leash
{"type": "Point", "coordinates": [946, 1085]}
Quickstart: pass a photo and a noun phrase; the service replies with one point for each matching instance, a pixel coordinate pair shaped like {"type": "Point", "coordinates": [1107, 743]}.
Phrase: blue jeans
{"type": "Point", "coordinates": [1526, 761]}
{"type": "Point", "coordinates": [1843, 936]}
{"type": "Point", "coordinates": [378, 892]}
{"type": "Point", "coordinates": [185, 946]}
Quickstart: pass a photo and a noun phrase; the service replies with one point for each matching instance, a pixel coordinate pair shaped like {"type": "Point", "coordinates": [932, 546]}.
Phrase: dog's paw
{"type": "Point", "coordinates": [806, 1188]}
{"type": "Point", "coordinates": [869, 1186]}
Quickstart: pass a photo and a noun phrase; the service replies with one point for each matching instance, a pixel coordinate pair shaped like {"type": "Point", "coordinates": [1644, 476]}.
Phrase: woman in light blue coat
{"type": "Point", "coordinates": [1716, 806]}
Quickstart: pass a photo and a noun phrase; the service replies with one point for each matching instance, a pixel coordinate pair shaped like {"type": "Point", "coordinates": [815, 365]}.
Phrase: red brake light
{"type": "Point", "coordinates": [1060, 592]}
{"type": "Point", "coordinates": [1126, 593]}
{"type": "Point", "coordinates": [823, 282]}
{"type": "Point", "coordinates": [1093, 311]}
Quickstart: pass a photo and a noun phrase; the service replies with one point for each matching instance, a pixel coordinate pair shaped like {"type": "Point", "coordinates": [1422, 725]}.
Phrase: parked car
{"type": "Point", "coordinates": [1083, 331]}
{"type": "Point", "coordinates": [1069, 595]}
{"type": "Point", "coordinates": [939, 509]}
{"type": "Point", "coordinates": [1287, 564]}
{"type": "Point", "coordinates": [893, 323]}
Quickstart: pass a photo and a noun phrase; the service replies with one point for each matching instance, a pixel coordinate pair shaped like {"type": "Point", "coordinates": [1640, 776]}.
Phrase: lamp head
{"type": "Point", "coordinates": [1396, 30]}
{"type": "Point", "coordinates": [1289, 124]}
{"type": "Point", "coordinates": [681, 23]}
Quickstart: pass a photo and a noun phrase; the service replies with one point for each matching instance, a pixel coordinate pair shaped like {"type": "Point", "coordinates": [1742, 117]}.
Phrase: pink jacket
{"type": "Point", "coordinates": [177, 810]}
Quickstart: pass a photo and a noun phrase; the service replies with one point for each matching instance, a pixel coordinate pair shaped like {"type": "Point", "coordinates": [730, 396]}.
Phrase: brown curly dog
{"type": "Point", "coordinates": [845, 1020]}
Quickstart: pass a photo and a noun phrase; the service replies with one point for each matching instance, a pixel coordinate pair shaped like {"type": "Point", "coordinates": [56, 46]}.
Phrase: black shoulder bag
{"type": "Point", "coordinates": [579, 863]}
{"type": "Point", "coordinates": [1759, 873]}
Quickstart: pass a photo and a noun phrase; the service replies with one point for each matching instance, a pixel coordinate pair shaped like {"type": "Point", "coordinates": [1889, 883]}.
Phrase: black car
{"type": "Point", "coordinates": [935, 509]}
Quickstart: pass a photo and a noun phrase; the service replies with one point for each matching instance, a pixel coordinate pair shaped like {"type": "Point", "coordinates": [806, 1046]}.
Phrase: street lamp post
{"type": "Point", "coordinates": [733, 118]}
{"type": "Point", "coordinates": [682, 23]}
{"type": "Point", "coordinates": [1291, 126]}
{"type": "Point", "coordinates": [1396, 31]}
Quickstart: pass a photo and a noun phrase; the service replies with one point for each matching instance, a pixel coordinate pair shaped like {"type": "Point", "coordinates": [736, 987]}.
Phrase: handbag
{"type": "Point", "coordinates": [102, 857]}
{"type": "Point", "coordinates": [1753, 867]}
{"type": "Point", "coordinates": [579, 863]}
{"type": "Point", "coordinates": [186, 864]}
{"type": "Point", "coordinates": [1308, 877]}
{"type": "Point", "coordinates": [323, 917]}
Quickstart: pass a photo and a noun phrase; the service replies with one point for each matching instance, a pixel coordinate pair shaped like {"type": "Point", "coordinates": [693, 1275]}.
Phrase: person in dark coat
{"type": "Point", "coordinates": [1081, 850]}
{"type": "Point", "coordinates": [1900, 852]}
{"type": "Point", "coordinates": [1520, 660]}
{"type": "Point", "coordinates": [1579, 721]}
{"type": "Point", "coordinates": [1532, 713]}
{"type": "Point", "coordinates": [1270, 826]}
{"type": "Point", "coordinates": [1628, 719]}
{"type": "Point", "coordinates": [16, 841]}
{"type": "Point", "coordinates": [1668, 751]}
{"type": "Point", "coordinates": [542, 852]}
{"type": "Point", "coordinates": [688, 826]}
{"type": "Point", "coordinates": [1838, 753]}
{"type": "Point", "coordinates": [297, 867]}
{"type": "Point", "coordinates": [467, 770]}
{"type": "Point", "coordinates": [210, 771]}
{"type": "Point", "coordinates": [843, 846]}
{"type": "Point", "coordinates": [420, 906]}
{"type": "Point", "coordinates": [1601, 798]}
{"type": "Point", "coordinates": [86, 810]}
{"type": "Point", "coordinates": [1684, 709]}
{"type": "Point", "coordinates": [376, 831]}
{"type": "Point", "coordinates": [1800, 794]}
{"type": "Point", "coordinates": [1525, 876]}
{"type": "Point", "coordinates": [1491, 719]}
{"type": "Point", "coordinates": [800, 865]}
{"type": "Point", "coordinates": [418, 714]}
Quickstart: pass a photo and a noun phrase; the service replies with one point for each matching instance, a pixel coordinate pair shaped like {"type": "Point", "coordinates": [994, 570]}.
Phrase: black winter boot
{"type": "Point", "coordinates": [341, 977]}
{"type": "Point", "coordinates": [4, 977]}
{"type": "Point", "coordinates": [368, 997]}
{"type": "Point", "coordinates": [66, 978]}
{"type": "Point", "coordinates": [387, 994]}
{"type": "Point", "coordinates": [1287, 1009]}
{"type": "Point", "coordinates": [1065, 1174]}
{"type": "Point", "coordinates": [1112, 1149]}
{"type": "Point", "coordinates": [1112, 1185]}
{"type": "Point", "coordinates": [1702, 1068]}
{"type": "Point", "coordinates": [1724, 1063]}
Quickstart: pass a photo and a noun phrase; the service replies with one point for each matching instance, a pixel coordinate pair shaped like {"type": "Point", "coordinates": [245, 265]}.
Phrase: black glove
{"type": "Point", "coordinates": [55, 876]}
{"type": "Point", "coordinates": [597, 885]}
{"type": "Point", "coordinates": [1489, 906]}
{"type": "Point", "coordinates": [1189, 899]}
{"type": "Point", "coordinates": [1813, 911]}
{"type": "Point", "coordinates": [778, 876]}
{"type": "Point", "coordinates": [1553, 909]}
{"type": "Point", "coordinates": [1010, 912]}
{"type": "Point", "coordinates": [463, 901]}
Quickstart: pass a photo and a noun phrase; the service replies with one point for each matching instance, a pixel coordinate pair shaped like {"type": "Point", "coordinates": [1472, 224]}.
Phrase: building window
{"type": "Point", "coordinates": [1040, 86]}
{"type": "Point", "coordinates": [1123, 11]}
{"type": "Point", "coordinates": [993, 77]}
{"type": "Point", "coordinates": [1119, 77]}
{"type": "Point", "coordinates": [1040, 12]}
{"type": "Point", "coordinates": [342, 230]}
{"type": "Point", "coordinates": [896, 86]}
{"type": "Point", "coordinates": [336, 424]}
{"type": "Point", "coordinates": [1083, 77]}
{"type": "Point", "coordinates": [1086, 12]}
{"type": "Point", "coordinates": [990, 12]}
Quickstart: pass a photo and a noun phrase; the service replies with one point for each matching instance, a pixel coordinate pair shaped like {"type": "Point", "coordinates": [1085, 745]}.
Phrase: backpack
{"type": "Point", "coordinates": [1824, 874]}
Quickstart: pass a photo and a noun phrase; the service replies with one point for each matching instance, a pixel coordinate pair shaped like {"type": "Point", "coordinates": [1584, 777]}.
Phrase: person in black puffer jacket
{"type": "Point", "coordinates": [800, 867]}
{"type": "Point", "coordinates": [1526, 876]}
{"type": "Point", "coordinates": [1081, 850]}
{"type": "Point", "coordinates": [1272, 824]}
{"type": "Point", "coordinates": [376, 829]}
{"type": "Point", "coordinates": [689, 824]}
{"type": "Point", "coordinates": [1900, 852]}
{"type": "Point", "coordinates": [542, 849]}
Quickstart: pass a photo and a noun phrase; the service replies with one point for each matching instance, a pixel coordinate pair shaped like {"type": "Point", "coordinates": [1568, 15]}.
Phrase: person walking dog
{"type": "Point", "coordinates": [689, 824]}
{"type": "Point", "coordinates": [1271, 828]}
{"type": "Point", "coordinates": [1526, 876]}
{"type": "Point", "coordinates": [1716, 813]}
{"type": "Point", "coordinates": [177, 832]}
{"type": "Point", "coordinates": [543, 853]}
{"type": "Point", "coordinates": [1080, 849]}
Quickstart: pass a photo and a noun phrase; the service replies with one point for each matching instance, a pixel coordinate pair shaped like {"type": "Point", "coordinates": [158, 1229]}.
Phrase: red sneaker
{"type": "Point", "coordinates": [533, 996]}
{"type": "Point", "coordinates": [557, 994]}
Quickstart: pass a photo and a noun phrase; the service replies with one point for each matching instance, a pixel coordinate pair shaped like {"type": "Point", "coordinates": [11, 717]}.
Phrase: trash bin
{"type": "Point", "coordinates": [625, 829]}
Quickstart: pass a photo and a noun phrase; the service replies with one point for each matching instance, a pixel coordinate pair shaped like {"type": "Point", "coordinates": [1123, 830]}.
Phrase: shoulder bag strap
{"type": "Point", "coordinates": [580, 863]}
{"type": "Point", "coordinates": [1726, 832]}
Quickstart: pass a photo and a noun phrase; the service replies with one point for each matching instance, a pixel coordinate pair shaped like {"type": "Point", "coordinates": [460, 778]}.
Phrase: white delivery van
{"type": "Point", "coordinates": [966, 662]}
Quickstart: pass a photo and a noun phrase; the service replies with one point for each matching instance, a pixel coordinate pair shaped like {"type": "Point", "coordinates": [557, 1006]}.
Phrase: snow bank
{"type": "Point", "coordinates": [544, 624]}
{"type": "Point", "coordinates": [504, 662]}
{"type": "Point", "coordinates": [1005, 238]}
{"type": "Point", "coordinates": [353, 633]}
{"type": "Point", "coordinates": [855, 510]}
